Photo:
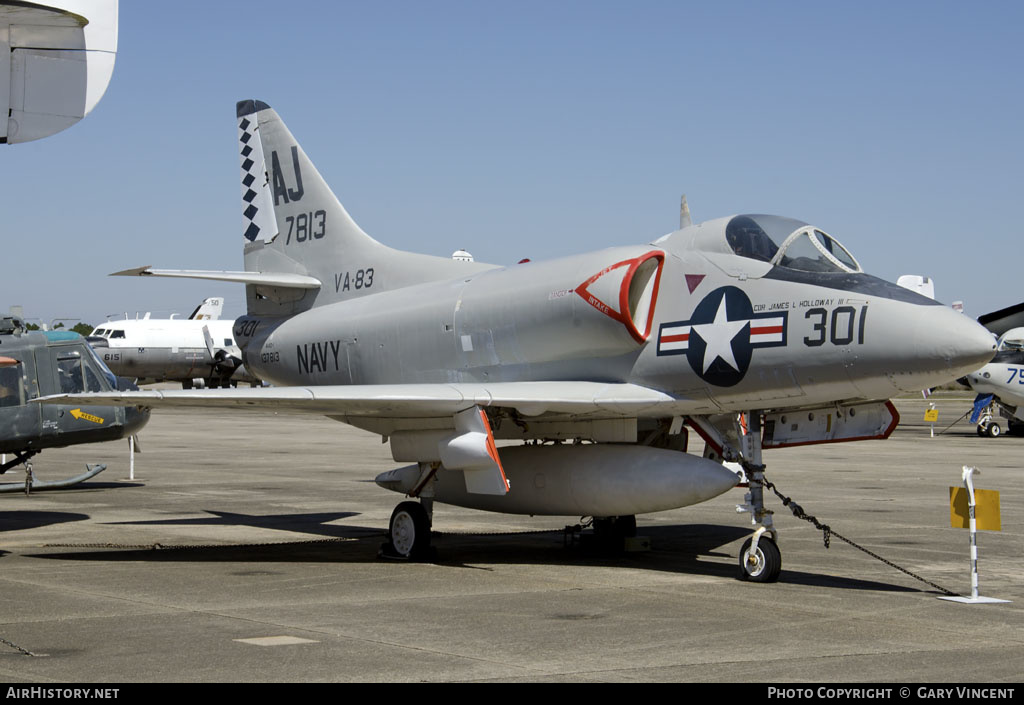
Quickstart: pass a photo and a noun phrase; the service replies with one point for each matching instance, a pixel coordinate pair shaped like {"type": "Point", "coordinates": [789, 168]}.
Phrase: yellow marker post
{"type": "Point", "coordinates": [971, 499]}
{"type": "Point", "coordinates": [79, 414]}
{"type": "Point", "coordinates": [986, 509]}
{"type": "Point", "coordinates": [931, 415]}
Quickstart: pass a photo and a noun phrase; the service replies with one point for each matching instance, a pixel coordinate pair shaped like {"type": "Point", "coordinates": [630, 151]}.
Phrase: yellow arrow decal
{"type": "Point", "coordinates": [79, 414]}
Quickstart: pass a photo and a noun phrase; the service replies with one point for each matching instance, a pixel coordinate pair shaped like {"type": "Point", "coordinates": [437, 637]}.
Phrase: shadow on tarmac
{"type": "Point", "coordinates": [21, 520]}
{"type": "Point", "coordinates": [685, 549]}
{"type": "Point", "coordinates": [318, 524]}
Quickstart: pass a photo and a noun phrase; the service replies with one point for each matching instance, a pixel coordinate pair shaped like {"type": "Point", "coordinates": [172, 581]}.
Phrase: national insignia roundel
{"type": "Point", "coordinates": [720, 337]}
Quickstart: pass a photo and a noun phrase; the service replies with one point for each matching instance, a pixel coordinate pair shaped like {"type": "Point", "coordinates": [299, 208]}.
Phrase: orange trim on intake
{"type": "Point", "coordinates": [622, 315]}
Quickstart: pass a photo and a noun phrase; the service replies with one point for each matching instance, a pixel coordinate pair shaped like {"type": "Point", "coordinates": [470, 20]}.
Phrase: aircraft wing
{"type": "Point", "coordinates": [594, 399]}
{"type": "Point", "coordinates": [1003, 320]}
{"type": "Point", "coordinates": [58, 59]}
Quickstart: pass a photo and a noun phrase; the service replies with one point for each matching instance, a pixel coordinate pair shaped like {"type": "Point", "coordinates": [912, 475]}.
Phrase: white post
{"type": "Point", "coordinates": [973, 526]}
{"type": "Point", "coordinates": [131, 461]}
{"type": "Point", "coordinates": [968, 474]}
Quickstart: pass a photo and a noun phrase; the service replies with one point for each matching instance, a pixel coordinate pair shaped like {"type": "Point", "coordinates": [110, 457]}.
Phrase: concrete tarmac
{"type": "Point", "coordinates": [246, 551]}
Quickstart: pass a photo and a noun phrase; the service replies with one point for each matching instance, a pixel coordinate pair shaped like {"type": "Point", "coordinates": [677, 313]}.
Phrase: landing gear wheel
{"type": "Point", "coordinates": [409, 531]}
{"type": "Point", "coordinates": [615, 528]}
{"type": "Point", "coordinates": [981, 430]}
{"type": "Point", "coordinates": [993, 430]}
{"type": "Point", "coordinates": [762, 565]}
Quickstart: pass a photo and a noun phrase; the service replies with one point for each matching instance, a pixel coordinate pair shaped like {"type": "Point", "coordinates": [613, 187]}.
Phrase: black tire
{"type": "Point", "coordinates": [409, 531]}
{"type": "Point", "coordinates": [994, 430]}
{"type": "Point", "coordinates": [764, 565]}
{"type": "Point", "coordinates": [981, 430]}
{"type": "Point", "coordinates": [615, 528]}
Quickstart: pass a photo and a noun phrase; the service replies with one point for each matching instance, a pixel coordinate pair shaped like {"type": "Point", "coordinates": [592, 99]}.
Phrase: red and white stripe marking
{"type": "Point", "coordinates": [674, 339]}
{"type": "Point", "coordinates": [767, 330]}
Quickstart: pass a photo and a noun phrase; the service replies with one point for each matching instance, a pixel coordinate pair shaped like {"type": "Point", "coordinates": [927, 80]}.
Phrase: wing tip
{"type": "Point", "coordinates": [133, 272]}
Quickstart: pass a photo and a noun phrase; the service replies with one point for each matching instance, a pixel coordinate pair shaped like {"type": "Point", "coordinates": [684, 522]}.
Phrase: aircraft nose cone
{"type": "Point", "coordinates": [955, 344]}
{"type": "Point", "coordinates": [134, 420]}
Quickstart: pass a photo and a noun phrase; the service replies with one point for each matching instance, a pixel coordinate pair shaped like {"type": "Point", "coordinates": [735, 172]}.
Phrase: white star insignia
{"type": "Point", "coordinates": [718, 335]}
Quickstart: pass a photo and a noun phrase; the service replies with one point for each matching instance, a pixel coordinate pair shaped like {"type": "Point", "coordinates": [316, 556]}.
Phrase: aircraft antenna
{"type": "Point", "coordinates": [684, 213]}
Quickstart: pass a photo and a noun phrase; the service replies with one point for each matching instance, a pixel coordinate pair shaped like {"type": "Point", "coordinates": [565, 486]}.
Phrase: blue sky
{"type": "Point", "coordinates": [535, 129]}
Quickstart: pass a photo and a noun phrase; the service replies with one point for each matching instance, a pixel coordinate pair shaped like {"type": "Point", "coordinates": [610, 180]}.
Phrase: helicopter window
{"type": "Point", "coordinates": [69, 369]}
{"type": "Point", "coordinates": [92, 382]}
{"type": "Point", "coordinates": [104, 370]}
{"type": "Point", "coordinates": [12, 388]}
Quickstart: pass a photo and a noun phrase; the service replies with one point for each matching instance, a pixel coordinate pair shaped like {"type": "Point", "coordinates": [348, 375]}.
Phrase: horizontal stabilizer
{"type": "Point", "coordinates": [293, 281]}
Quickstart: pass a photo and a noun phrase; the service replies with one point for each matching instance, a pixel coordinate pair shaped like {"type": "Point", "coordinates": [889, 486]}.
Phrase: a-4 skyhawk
{"type": "Point", "coordinates": [593, 364]}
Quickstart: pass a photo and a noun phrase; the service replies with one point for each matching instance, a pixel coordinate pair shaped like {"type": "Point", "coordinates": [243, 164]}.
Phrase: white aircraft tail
{"type": "Point", "coordinates": [915, 282]}
{"type": "Point", "coordinates": [302, 248]}
{"type": "Point", "coordinates": [293, 223]}
{"type": "Point", "coordinates": [209, 310]}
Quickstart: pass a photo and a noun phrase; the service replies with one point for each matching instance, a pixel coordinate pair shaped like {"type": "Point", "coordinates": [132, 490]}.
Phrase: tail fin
{"type": "Point", "coordinates": [293, 223]}
{"type": "Point", "coordinates": [209, 310]}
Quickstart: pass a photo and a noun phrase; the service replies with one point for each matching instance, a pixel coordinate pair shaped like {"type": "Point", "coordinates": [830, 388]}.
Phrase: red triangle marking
{"type": "Point", "coordinates": [693, 281]}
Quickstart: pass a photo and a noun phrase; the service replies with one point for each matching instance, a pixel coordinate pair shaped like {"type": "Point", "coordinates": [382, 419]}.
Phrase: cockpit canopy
{"type": "Point", "coordinates": [785, 242]}
{"type": "Point", "coordinates": [1012, 340]}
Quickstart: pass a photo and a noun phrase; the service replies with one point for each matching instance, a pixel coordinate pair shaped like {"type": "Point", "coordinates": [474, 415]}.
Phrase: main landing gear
{"type": "Point", "coordinates": [409, 532]}
{"type": "Point", "coordinates": [990, 429]}
{"type": "Point", "coordinates": [988, 423]}
{"type": "Point", "coordinates": [409, 528]}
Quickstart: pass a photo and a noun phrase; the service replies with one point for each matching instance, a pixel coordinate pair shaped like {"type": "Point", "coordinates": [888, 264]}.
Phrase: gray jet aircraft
{"type": "Point", "coordinates": [592, 365]}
